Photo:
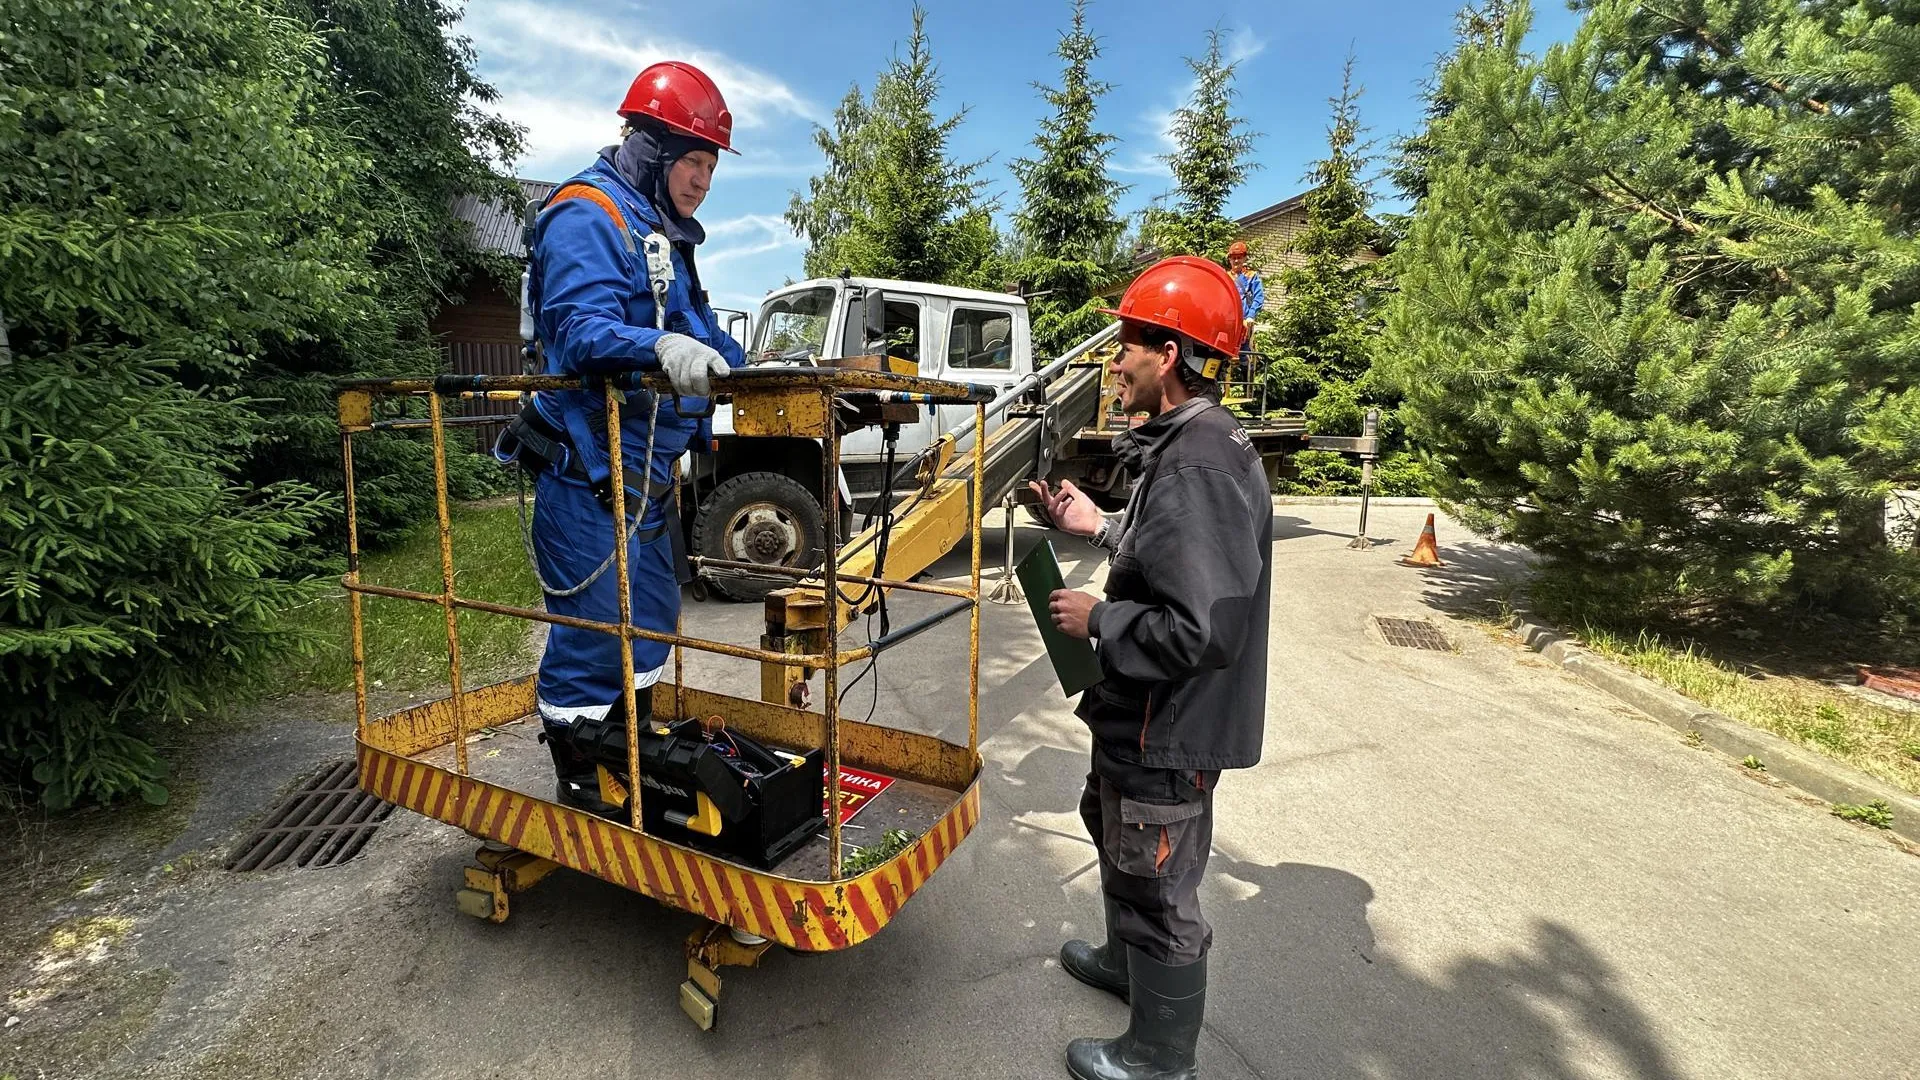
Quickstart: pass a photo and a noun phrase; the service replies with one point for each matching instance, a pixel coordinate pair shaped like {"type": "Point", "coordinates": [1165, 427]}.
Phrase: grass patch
{"type": "Point", "coordinates": [1876, 813]}
{"type": "Point", "coordinates": [1871, 737]}
{"type": "Point", "coordinates": [406, 641]}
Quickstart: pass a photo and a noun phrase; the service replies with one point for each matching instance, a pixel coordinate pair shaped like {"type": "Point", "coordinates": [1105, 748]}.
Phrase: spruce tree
{"type": "Point", "coordinates": [827, 212]}
{"type": "Point", "coordinates": [1321, 343]}
{"type": "Point", "coordinates": [1657, 311]}
{"type": "Point", "coordinates": [1319, 347]}
{"type": "Point", "coordinates": [891, 201]}
{"type": "Point", "coordinates": [167, 214]}
{"type": "Point", "coordinates": [1067, 228]}
{"type": "Point", "coordinates": [1210, 161]}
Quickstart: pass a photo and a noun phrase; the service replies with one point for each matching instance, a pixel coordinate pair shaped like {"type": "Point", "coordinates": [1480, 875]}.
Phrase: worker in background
{"type": "Point", "coordinates": [1253, 297]}
{"type": "Point", "coordinates": [606, 245]}
{"type": "Point", "coordinates": [1182, 641]}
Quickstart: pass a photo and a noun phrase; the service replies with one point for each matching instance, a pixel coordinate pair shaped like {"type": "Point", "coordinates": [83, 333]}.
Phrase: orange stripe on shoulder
{"type": "Point", "coordinates": [593, 195]}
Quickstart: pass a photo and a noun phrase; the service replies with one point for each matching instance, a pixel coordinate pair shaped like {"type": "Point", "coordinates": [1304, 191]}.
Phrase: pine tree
{"type": "Point", "coordinates": [1657, 312]}
{"type": "Point", "coordinates": [1475, 24]}
{"type": "Point", "coordinates": [1209, 162]}
{"type": "Point", "coordinates": [892, 202]}
{"type": "Point", "coordinates": [1067, 228]}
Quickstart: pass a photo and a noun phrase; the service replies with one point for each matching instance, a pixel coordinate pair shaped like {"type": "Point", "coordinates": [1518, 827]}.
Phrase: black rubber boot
{"type": "Point", "coordinates": [577, 784]}
{"type": "Point", "coordinates": [1103, 967]}
{"type": "Point", "coordinates": [1168, 1005]}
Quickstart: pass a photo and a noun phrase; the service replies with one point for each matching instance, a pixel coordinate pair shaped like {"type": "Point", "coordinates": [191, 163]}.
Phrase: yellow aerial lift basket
{"type": "Point", "coordinates": [422, 757]}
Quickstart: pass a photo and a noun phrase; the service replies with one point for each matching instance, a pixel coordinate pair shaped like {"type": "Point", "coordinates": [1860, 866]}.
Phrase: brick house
{"type": "Point", "coordinates": [1269, 235]}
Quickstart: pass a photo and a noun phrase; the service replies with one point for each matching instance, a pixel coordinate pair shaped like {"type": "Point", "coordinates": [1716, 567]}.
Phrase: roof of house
{"type": "Point", "coordinates": [496, 228]}
{"type": "Point", "coordinates": [1146, 256]}
{"type": "Point", "coordinates": [1273, 211]}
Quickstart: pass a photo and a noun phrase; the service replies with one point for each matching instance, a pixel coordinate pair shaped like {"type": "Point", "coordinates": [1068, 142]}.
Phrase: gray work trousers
{"type": "Point", "coordinates": [1153, 829]}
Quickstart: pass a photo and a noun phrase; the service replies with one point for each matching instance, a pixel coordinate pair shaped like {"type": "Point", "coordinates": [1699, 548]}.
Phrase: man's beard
{"type": "Point", "coordinates": [1147, 399]}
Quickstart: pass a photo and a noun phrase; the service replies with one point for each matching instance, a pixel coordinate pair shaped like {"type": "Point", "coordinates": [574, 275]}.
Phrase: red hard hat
{"type": "Point", "coordinates": [1194, 297]}
{"type": "Point", "coordinates": [683, 98]}
{"type": "Point", "coordinates": [1239, 247]}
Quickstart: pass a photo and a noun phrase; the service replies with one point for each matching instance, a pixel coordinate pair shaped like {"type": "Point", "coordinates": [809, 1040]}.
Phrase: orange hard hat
{"type": "Point", "coordinates": [1238, 247]}
{"type": "Point", "coordinates": [682, 97]}
{"type": "Point", "coordinates": [1195, 298]}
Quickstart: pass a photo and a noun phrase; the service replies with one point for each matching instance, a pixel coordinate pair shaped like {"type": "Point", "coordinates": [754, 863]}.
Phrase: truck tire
{"type": "Point", "coordinates": [759, 517]}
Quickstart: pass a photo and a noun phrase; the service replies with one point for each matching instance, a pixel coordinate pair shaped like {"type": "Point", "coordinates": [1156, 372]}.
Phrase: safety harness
{"type": "Point", "coordinates": [535, 443]}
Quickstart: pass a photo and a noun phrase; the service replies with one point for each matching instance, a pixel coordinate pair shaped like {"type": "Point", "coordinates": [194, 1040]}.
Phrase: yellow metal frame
{"type": "Point", "coordinates": [530, 836]}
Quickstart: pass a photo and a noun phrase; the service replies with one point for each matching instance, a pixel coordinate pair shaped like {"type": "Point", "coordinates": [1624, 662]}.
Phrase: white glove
{"type": "Point", "coordinates": [689, 364]}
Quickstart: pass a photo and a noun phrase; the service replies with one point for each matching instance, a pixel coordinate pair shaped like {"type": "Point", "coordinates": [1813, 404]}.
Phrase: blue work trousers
{"type": "Point", "coordinates": [572, 536]}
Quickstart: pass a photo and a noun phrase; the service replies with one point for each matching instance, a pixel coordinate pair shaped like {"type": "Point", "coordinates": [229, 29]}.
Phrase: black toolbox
{"type": "Point", "coordinates": [767, 803]}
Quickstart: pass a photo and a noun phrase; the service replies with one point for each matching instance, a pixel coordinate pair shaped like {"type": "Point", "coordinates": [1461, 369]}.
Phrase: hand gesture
{"type": "Point", "coordinates": [1069, 507]}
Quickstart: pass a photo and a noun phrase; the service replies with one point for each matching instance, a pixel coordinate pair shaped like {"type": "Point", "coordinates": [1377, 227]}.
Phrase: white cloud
{"type": "Point", "coordinates": [1243, 45]}
{"type": "Point", "coordinates": [568, 46]}
{"type": "Point", "coordinates": [749, 235]}
{"type": "Point", "coordinates": [1155, 124]}
{"type": "Point", "coordinates": [570, 130]}
{"type": "Point", "coordinates": [750, 164]}
{"type": "Point", "coordinates": [748, 223]}
{"type": "Point", "coordinates": [558, 129]}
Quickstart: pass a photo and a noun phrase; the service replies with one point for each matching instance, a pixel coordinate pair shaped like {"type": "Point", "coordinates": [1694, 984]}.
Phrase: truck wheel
{"type": "Point", "coordinates": [758, 517]}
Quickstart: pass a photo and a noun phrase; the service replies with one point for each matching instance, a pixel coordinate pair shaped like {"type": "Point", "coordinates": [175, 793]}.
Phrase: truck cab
{"type": "Point", "coordinates": [760, 500]}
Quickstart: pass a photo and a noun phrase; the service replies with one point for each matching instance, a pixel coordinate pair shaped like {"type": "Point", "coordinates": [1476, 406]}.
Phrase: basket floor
{"type": "Point", "coordinates": [511, 756]}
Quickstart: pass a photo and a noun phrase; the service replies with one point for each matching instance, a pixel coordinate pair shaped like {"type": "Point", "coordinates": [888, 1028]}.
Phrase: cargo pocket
{"type": "Point", "coordinates": [1154, 839]}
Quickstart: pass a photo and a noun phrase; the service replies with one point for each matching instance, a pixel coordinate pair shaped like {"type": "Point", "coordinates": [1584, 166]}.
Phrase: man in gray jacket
{"type": "Point", "coordinates": [1182, 637]}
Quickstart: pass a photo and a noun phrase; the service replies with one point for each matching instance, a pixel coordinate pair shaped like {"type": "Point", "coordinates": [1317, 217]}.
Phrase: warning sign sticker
{"type": "Point", "coordinates": [858, 788]}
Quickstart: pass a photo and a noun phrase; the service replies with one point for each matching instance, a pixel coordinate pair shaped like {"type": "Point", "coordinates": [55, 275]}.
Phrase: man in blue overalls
{"type": "Point", "coordinates": [613, 288]}
{"type": "Point", "coordinates": [1253, 297]}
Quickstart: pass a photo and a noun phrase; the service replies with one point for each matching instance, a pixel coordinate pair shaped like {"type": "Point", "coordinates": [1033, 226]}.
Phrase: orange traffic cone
{"type": "Point", "coordinates": [1426, 552]}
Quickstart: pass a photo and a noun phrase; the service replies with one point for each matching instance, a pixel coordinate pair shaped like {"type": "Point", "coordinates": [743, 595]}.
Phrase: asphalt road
{"type": "Point", "coordinates": [1462, 864]}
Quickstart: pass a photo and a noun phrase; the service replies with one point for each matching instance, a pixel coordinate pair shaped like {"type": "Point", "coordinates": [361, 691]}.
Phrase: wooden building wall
{"type": "Point", "coordinates": [481, 336]}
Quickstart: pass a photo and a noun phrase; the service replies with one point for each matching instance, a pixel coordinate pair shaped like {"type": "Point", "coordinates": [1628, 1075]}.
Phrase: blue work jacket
{"type": "Point", "coordinates": [592, 298]}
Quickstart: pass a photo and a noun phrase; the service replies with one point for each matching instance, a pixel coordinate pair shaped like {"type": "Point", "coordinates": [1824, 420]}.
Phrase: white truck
{"type": "Point", "coordinates": [760, 500]}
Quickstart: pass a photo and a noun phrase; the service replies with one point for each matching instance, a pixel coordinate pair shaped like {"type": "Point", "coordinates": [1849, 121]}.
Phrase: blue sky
{"type": "Point", "coordinates": [561, 67]}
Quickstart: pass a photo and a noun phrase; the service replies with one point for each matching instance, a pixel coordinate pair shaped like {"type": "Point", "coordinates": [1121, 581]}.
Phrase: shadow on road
{"type": "Point", "coordinates": [1301, 989]}
{"type": "Point", "coordinates": [1477, 580]}
{"type": "Point", "coordinates": [1288, 527]}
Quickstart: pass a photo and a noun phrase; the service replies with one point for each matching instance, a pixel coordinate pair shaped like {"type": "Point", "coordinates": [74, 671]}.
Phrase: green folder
{"type": "Point", "coordinates": [1073, 658]}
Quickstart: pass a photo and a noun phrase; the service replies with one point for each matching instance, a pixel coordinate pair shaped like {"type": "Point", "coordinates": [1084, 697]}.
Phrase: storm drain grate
{"type": "Point", "coordinates": [1412, 634]}
{"type": "Point", "coordinates": [324, 823]}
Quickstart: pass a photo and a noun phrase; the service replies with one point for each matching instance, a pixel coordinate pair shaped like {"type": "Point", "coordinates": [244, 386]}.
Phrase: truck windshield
{"type": "Point", "coordinates": [793, 327]}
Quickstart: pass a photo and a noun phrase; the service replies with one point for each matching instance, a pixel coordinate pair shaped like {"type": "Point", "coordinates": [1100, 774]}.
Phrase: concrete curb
{"type": "Point", "coordinates": [1823, 778]}
{"type": "Point", "coordinates": [1348, 500]}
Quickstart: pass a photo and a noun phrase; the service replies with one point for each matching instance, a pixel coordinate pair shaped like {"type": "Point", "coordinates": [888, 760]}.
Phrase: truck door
{"type": "Point", "coordinates": [980, 348]}
{"type": "Point", "coordinates": [909, 323]}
